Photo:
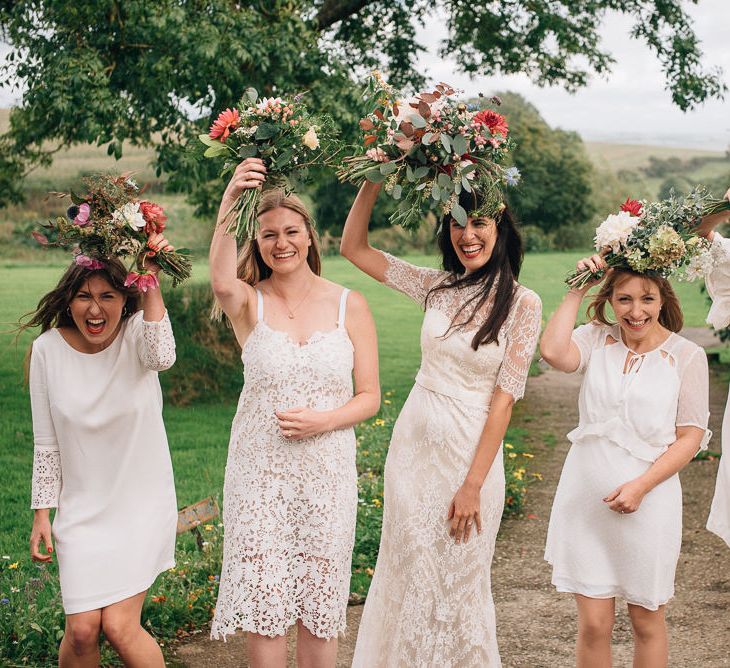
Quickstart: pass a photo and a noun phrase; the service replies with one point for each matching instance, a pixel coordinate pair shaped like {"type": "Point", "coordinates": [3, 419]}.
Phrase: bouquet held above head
{"type": "Point", "coordinates": [655, 238]}
{"type": "Point", "coordinates": [112, 221]}
{"type": "Point", "coordinates": [428, 148]}
{"type": "Point", "coordinates": [283, 133]}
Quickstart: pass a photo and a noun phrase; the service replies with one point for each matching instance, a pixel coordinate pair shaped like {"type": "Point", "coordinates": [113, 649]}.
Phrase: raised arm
{"type": "Point", "coordinates": [354, 244]}
{"type": "Point", "coordinates": [232, 293]}
{"type": "Point", "coordinates": [709, 223]}
{"type": "Point", "coordinates": [557, 346]}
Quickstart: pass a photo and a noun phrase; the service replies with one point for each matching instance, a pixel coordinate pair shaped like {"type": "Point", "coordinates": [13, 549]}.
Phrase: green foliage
{"type": "Point", "coordinates": [556, 187]}
{"type": "Point", "coordinates": [152, 74]}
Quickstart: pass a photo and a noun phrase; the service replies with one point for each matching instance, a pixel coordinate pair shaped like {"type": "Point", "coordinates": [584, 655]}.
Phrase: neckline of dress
{"type": "Point", "coordinates": [118, 337]}
{"type": "Point", "coordinates": [316, 334]}
{"type": "Point", "coordinates": [646, 352]}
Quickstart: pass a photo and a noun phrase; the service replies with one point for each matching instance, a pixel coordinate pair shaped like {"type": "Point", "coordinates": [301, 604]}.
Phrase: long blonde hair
{"type": "Point", "coordinates": [251, 267]}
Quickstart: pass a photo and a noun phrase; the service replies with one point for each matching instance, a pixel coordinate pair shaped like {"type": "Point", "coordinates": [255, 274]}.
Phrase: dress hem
{"type": "Point", "coordinates": [221, 634]}
{"type": "Point", "coordinates": [116, 598]}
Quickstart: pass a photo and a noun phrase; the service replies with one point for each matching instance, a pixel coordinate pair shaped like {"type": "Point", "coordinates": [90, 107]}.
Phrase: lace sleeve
{"type": "Point", "coordinates": [155, 343]}
{"type": "Point", "coordinates": [46, 483]}
{"type": "Point", "coordinates": [523, 332]}
{"type": "Point", "coordinates": [693, 407]}
{"type": "Point", "coordinates": [411, 280]}
{"type": "Point", "coordinates": [718, 283]}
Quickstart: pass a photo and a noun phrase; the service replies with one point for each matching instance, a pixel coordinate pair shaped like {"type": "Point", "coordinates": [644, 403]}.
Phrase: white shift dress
{"type": "Point", "coordinates": [101, 459]}
{"type": "Point", "coordinates": [627, 421]}
{"type": "Point", "coordinates": [718, 286]}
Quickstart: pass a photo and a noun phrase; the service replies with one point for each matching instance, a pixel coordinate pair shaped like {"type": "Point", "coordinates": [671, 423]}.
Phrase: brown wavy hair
{"type": "Point", "coordinates": [251, 267]}
{"type": "Point", "coordinates": [670, 315]}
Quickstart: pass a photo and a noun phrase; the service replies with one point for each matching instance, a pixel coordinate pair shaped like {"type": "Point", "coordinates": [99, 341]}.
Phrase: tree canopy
{"type": "Point", "coordinates": [110, 71]}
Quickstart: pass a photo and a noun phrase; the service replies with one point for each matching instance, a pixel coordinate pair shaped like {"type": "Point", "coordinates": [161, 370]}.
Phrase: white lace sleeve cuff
{"type": "Point", "coordinates": [718, 283]}
{"type": "Point", "coordinates": [46, 485]}
{"type": "Point", "coordinates": [158, 344]}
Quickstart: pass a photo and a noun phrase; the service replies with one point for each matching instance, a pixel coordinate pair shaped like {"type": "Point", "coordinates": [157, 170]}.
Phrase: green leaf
{"type": "Point", "coordinates": [374, 176]}
{"type": "Point", "coordinates": [466, 184]}
{"type": "Point", "coordinates": [436, 192]}
{"type": "Point", "coordinates": [284, 158]}
{"type": "Point", "coordinates": [420, 186]}
{"type": "Point", "coordinates": [247, 151]}
{"type": "Point", "coordinates": [397, 191]}
{"type": "Point", "coordinates": [388, 168]}
{"type": "Point", "coordinates": [36, 627]}
{"type": "Point", "coordinates": [265, 131]}
{"type": "Point", "coordinates": [250, 95]}
{"type": "Point", "coordinates": [444, 180]}
{"type": "Point", "coordinates": [460, 145]}
{"type": "Point", "coordinates": [445, 193]}
{"type": "Point", "coordinates": [216, 151]}
{"type": "Point", "coordinates": [77, 199]}
{"type": "Point", "coordinates": [417, 120]}
{"type": "Point", "coordinates": [459, 214]}
{"type": "Point", "coordinates": [468, 169]}
{"type": "Point", "coordinates": [426, 139]}
{"type": "Point", "coordinates": [446, 142]}
{"type": "Point", "coordinates": [409, 174]}
{"type": "Point", "coordinates": [208, 141]}
{"type": "Point", "coordinates": [420, 172]}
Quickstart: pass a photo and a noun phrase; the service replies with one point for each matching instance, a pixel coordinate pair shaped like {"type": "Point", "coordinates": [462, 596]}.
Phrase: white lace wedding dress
{"type": "Point", "coordinates": [288, 507]}
{"type": "Point", "coordinates": [430, 601]}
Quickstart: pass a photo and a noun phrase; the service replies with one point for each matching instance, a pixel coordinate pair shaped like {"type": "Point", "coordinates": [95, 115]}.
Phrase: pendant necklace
{"type": "Point", "coordinates": [290, 311]}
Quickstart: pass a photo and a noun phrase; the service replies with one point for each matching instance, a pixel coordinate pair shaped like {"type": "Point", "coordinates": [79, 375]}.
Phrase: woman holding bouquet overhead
{"type": "Point", "coordinates": [616, 523]}
{"type": "Point", "coordinates": [718, 286]}
{"type": "Point", "coordinates": [290, 495]}
{"type": "Point", "coordinates": [101, 456]}
{"type": "Point", "coordinates": [430, 601]}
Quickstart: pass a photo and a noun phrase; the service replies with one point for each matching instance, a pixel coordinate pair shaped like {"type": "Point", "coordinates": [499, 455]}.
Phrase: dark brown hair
{"type": "Point", "coordinates": [497, 276]}
{"type": "Point", "coordinates": [52, 310]}
{"type": "Point", "coordinates": [251, 266]}
{"type": "Point", "coordinates": [670, 316]}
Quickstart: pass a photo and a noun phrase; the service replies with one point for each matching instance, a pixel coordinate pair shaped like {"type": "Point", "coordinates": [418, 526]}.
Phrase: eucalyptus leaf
{"type": "Point", "coordinates": [374, 176]}
{"type": "Point", "coordinates": [426, 139]}
{"type": "Point", "coordinates": [397, 191]}
{"type": "Point", "coordinates": [436, 192]}
{"type": "Point", "coordinates": [417, 120]}
{"type": "Point", "coordinates": [444, 180]}
{"type": "Point", "coordinates": [250, 95]}
{"type": "Point", "coordinates": [388, 168]}
{"type": "Point", "coordinates": [420, 186]}
{"type": "Point", "coordinates": [420, 172]}
{"type": "Point", "coordinates": [409, 174]}
{"type": "Point", "coordinates": [446, 142]}
{"type": "Point", "coordinates": [459, 214]}
{"type": "Point", "coordinates": [468, 169]}
{"type": "Point", "coordinates": [466, 184]}
{"type": "Point", "coordinates": [460, 145]}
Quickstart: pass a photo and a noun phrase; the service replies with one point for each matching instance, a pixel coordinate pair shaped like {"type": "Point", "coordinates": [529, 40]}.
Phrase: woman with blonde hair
{"type": "Point", "coordinates": [616, 523]}
{"type": "Point", "coordinates": [290, 494]}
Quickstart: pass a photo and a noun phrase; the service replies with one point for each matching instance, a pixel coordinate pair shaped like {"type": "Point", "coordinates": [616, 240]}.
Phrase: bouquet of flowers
{"type": "Point", "coordinates": [433, 147]}
{"type": "Point", "coordinates": [656, 237]}
{"type": "Point", "coordinates": [111, 220]}
{"type": "Point", "coordinates": [282, 133]}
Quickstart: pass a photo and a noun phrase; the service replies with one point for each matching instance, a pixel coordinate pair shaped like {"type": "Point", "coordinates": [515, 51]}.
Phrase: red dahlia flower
{"type": "Point", "coordinates": [153, 215]}
{"type": "Point", "coordinates": [226, 122]}
{"type": "Point", "coordinates": [496, 123]}
{"type": "Point", "coordinates": [632, 206]}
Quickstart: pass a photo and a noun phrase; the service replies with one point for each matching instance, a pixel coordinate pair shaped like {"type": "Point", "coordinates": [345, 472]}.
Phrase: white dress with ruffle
{"type": "Point", "coordinates": [289, 507]}
{"type": "Point", "coordinates": [627, 421]}
{"type": "Point", "coordinates": [430, 602]}
{"type": "Point", "coordinates": [718, 286]}
{"type": "Point", "coordinates": [101, 459]}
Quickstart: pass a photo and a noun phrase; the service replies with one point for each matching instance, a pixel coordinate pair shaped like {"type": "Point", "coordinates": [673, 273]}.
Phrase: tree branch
{"type": "Point", "coordinates": [333, 11]}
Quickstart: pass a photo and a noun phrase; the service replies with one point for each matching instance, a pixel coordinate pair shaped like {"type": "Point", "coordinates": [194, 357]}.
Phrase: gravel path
{"type": "Point", "coordinates": [537, 626]}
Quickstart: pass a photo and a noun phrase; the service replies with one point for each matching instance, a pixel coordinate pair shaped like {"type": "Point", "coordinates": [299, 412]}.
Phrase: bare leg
{"type": "Point", "coordinates": [651, 648]}
{"type": "Point", "coordinates": [314, 652]}
{"type": "Point", "coordinates": [266, 652]}
{"type": "Point", "coordinates": [80, 644]}
{"type": "Point", "coordinates": [595, 624]}
{"type": "Point", "coordinates": [121, 625]}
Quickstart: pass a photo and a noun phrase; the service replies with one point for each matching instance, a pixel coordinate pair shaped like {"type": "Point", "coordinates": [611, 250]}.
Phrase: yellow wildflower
{"type": "Point", "coordinates": [369, 571]}
{"type": "Point", "coordinates": [512, 455]}
{"type": "Point", "coordinates": [509, 446]}
{"type": "Point", "coordinates": [528, 455]}
{"type": "Point", "coordinates": [387, 402]}
{"type": "Point", "coordinates": [14, 565]}
{"type": "Point", "coordinates": [379, 422]}
{"type": "Point", "coordinates": [208, 527]}
{"type": "Point", "coordinates": [377, 503]}
{"type": "Point", "coordinates": [518, 475]}
{"type": "Point", "coordinates": [537, 475]}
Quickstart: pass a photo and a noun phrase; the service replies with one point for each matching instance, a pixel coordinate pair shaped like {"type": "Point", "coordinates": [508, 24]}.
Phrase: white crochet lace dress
{"type": "Point", "coordinates": [718, 286]}
{"type": "Point", "coordinates": [289, 507]}
{"type": "Point", "coordinates": [627, 421]}
{"type": "Point", "coordinates": [101, 459]}
{"type": "Point", "coordinates": [430, 602]}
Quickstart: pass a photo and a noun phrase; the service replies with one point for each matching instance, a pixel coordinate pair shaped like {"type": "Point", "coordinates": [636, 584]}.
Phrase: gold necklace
{"type": "Point", "coordinates": [290, 311]}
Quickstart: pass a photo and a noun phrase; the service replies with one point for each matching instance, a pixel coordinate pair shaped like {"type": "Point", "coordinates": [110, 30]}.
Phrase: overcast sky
{"type": "Point", "coordinates": [631, 105]}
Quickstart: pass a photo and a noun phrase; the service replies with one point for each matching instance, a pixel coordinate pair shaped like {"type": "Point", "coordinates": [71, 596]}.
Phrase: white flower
{"type": "Point", "coordinates": [269, 102]}
{"type": "Point", "coordinates": [310, 139]}
{"type": "Point", "coordinates": [699, 266]}
{"type": "Point", "coordinates": [130, 215]}
{"type": "Point", "coordinates": [615, 230]}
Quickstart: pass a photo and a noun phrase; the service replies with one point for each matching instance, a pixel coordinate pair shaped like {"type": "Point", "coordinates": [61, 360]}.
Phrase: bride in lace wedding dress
{"type": "Point", "coordinates": [290, 494]}
{"type": "Point", "coordinates": [430, 601]}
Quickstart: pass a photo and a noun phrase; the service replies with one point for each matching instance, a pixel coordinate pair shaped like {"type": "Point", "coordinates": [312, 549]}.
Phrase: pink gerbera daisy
{"type": "Point", "coordinates": [226, 122]}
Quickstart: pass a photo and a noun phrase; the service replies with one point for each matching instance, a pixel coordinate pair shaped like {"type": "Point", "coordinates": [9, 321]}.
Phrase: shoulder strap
{"type": "Point", "coordinates": [343, 305]}
{"type": "Point", "coordinates": [259, 305]}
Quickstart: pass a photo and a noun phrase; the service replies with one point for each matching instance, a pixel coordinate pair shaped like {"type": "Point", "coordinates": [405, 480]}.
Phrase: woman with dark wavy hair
{"type": "Point", "coordinates": [101, 457]}
{"type": "Point", "coordinates": [430, 602]}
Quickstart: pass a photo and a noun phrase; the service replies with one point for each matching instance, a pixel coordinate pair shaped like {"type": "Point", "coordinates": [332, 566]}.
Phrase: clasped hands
{"type": "Point", "coordinates": [301, 422]}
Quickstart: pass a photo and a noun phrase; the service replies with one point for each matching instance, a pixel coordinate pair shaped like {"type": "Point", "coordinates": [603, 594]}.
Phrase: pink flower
{"type": "Point", "coordinates": [227, 121]}
{"type": "Point", "coordinates": [82, 217]}
{"type": "Point", "coordinates": [143, 281]}
{"type": "Point", "coordinates": [89, 262]}
{"type": "Point", "coordinates": [496, 123]}
{"type": "Point", "coordinates": [153, 215]}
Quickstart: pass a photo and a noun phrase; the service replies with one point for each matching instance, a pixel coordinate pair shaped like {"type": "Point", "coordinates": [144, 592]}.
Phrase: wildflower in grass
{"type": "Point", "coordinates": [4, 601]}
{"type": "Point", "coordinates": [6, 556]}
{"type": "Point", "coordinates": [509, 446]}
{"type": "Point", "coordinates": [377, 503]}
{"type": "Point", "coordinates": [387, 402]}
{"type": "Point", "coordinates": [528, 455]}
{"type": "Point", "coordinates": [14, 565]}
{"type": "Point", "coordinates": [512, 455]}
{"type": "Point", "coordinates": [208, 527]}
{"type": "Point", "coordinates": [369, 571]}
{"type": "Point", "coordinates": [537, 476]}
{"type": "Point", "coordinates": [159, 599]}
{"type": "Point", "coordinates": [379, 422]}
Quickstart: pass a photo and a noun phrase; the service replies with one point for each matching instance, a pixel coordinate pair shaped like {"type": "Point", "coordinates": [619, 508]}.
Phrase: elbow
{"type": "Point", "coordinates": [222, 288]}
{"type": "Point", "coordinates": [549, 352]}
{"type": "Point", "coordinates": [345, 248]}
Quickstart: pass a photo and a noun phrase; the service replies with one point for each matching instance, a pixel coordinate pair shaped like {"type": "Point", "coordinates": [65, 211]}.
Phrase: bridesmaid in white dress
{"type": "Point", "coordinates": [101, 456]}
{"type": "Point", "coordinates": [430, 601]}
{"type": "Point", "coordinates": [718, 287]}
{"type": "Point", "coordinates": [616, 524]}
{"type": "Point", "coordinates": [290, 495]}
